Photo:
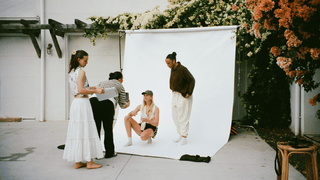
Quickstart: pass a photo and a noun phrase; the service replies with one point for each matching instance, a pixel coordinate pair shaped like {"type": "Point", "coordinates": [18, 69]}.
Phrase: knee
{"type": "Point", "coordinates": [127, 118]}
{"type": "Point", "coordinates": [144, 137]}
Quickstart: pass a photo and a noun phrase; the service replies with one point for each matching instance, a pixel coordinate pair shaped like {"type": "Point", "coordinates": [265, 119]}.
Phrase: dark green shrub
{"type": "Point", "coordinates": [267, 100]}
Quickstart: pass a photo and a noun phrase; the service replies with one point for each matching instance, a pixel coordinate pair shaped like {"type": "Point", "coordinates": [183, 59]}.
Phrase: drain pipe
{"type": "Point", "coordinates": [301, 111]}
{"type": "Point", "coordinates": [297, 105]}
{"type": "Point", "coordinates": [42, 78]}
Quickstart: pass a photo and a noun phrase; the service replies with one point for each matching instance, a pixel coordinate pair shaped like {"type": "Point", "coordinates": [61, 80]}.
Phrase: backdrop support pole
{"type": "Point", "coordinates": [120, 48]}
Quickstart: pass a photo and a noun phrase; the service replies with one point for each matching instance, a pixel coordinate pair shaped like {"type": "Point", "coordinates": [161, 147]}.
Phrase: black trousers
{"type": "Point", "coordinates": [103, 111]}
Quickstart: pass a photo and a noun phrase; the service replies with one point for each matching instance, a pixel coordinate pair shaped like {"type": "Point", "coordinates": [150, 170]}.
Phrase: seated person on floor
{"type": "Point", "coordinates": [148, 125]}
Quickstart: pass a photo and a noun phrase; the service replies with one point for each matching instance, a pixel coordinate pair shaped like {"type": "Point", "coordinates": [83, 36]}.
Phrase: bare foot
{"type": "Point", "coordinates": [149, 140]}
{"type": "Point", "coordinates": [79, 165]}
{"type": "Point", "coordinates": [92, 165]}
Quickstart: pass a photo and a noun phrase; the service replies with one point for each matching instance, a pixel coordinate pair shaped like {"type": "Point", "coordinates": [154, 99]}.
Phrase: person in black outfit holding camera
{"type": "Point", "coordinates": [103, 111]}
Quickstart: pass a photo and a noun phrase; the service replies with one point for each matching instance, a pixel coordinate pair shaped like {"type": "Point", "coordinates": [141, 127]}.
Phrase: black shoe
{"type": "Point", "coordinates": [114, 155]}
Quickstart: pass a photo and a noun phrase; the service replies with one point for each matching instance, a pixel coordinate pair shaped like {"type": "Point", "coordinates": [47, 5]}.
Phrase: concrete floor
{"type": "Point", "coordinates": [28, 150]}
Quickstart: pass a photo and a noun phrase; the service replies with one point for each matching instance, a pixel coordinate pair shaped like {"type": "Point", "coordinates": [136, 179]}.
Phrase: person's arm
{"type": "Point", "coordinates": [135, 111]}
{"type": "Point", "coordinates": [80, 84]}
{"type": "Point", "coordinates": [191, 83]}
{"type": "Point", "coordinates": [155, 120]}
{"type": "Point", "coordinates": [122, 98]}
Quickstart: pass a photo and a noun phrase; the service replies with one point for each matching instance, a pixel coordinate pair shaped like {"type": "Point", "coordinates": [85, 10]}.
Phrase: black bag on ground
{"type": "Point", "coordinates": [196, 158]}
{"type": "Point", "coordinates": [61, 146]}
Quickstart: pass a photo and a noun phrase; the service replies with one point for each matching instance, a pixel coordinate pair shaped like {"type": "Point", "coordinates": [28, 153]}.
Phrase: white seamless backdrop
{"type": "Point", "coordinates": [209, 54]}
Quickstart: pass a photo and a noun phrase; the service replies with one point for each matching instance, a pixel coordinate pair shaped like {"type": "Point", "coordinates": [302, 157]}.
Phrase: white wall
{"type": "Point", "coordinates": [19, 65]}
{"type": "Point", "coordinates": [311, 122]}
{"type": "Point", "coordinates": [19, 78]}
{"type": "Point", "coordinates": [19, 8]}
{"type": "Point", "coordinates": [103, 58]}
{"type": "Point", "coordinates": [300, 107]}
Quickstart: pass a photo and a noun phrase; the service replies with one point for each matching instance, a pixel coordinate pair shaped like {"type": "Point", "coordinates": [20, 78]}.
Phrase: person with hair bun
{"type": "Point", "coordinates": [182, 84]}
{"type": "Point", "coordinates": [82, 138]}
{"type": "Point", "coordinates": [104, 111]}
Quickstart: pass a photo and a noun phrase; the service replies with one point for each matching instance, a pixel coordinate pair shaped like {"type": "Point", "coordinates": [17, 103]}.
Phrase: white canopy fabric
{"type": "Point", "coordinates": [209, 54]}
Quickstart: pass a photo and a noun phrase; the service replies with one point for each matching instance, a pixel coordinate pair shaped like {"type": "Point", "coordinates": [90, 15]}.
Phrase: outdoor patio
{"type": "Point", "coordinates": [28, 150]}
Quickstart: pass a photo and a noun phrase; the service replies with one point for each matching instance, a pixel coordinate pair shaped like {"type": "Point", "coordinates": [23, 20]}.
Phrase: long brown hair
{"type": "Point", "coordinates": [74, 63]}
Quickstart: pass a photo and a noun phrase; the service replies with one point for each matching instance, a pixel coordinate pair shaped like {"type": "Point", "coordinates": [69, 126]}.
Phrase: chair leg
{"type": "Point", "coordinates": [314, 165]}
{"type": "Point", "coordinates": [279, 165]}
{"type": "Point", "coordinates": [309, 165]}
{"type": "Point", "coordinates": [285, 166]}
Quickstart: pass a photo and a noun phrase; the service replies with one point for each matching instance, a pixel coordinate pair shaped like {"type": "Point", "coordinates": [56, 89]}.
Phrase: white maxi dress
{"type": "Point", "coordinates": [83, 143]}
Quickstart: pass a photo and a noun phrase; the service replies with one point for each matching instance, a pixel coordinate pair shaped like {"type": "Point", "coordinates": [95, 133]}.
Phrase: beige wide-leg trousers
{"type": "Point", "coordinates": [181, 111]}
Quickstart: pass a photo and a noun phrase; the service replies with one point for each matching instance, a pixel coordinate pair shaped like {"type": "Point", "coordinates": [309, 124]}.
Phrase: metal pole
{"type": "Point", "coordinates": [42, 83]}
{"type": "Point", "coordinates": [124, 32]}
{"type": "Point", "coordinates": [297, 104]}
{"type": "Point", "coordinates": [120, 50]}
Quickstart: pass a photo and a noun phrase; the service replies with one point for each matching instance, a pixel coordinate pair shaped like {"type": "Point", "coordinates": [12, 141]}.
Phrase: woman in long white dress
{"type": "Point", "coordinates": [83, 143]}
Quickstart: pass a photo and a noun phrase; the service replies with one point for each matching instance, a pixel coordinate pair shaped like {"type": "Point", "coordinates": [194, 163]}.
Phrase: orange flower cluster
{"type": "Point", "coordinates": [256, 28]}
{"type": "Point", "coordinates": [314, 2]}
{"type": "Point", "coordinates": [284, 63]}
{"type": "Point", "coordinates": [268, 25]}
{"type": "Point", "coordinates": [275, 51]}
{"type": "Point", "coordinates": [291, 74]}
{"type": "Point", "coordinates": [293, 40]}
{"type": "Point", "coordinates": [235, 7]}
{"type": "Point", "coordinates": [300, 55]}
{"type": "Point", "coordinates": [313, 101]}
{"type": "Point", "coordinates": [301, 10]}
{"type": "Point", "coordinates": [266, 5]}
{"type": "Point", "coordinates": [315, 53]}
{"type": "Point", "coordinates": [257, 13]}
{"type": "Point", "coordinates": [284, 14]}
{"type": "Point", "coordinates": [301, 73]}
{"type": "Point", "coordinates": [300, 81]}
{"type": "Point", "coordinates": [302, 52]}
{"type": "Point", "coordinates": [250, 3]}
{"type": "Point", "coordinates": [262, 5]}
{"type": "Point", "coordinates": [304, 34]}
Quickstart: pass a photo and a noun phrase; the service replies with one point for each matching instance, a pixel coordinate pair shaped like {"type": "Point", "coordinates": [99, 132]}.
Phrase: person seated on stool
{"type": "Point", "coordinates": [148, 126]}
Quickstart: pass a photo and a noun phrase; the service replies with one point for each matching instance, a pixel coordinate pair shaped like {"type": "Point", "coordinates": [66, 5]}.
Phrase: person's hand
{"type": "Point", "coordinates": [132, 113]}
{"type": "Point", "coordinates": [128, 103]}
{"type": "Point", "coordinates": [99, 90]}
{"type": "Point", "coordinates": [187, 95]}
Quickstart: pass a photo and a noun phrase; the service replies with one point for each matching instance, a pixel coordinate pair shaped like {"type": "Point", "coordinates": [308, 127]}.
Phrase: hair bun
{"type": "Point", "coordinates": [174, 53]}
{"type": "Point", "coordinates": [115, 75]}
